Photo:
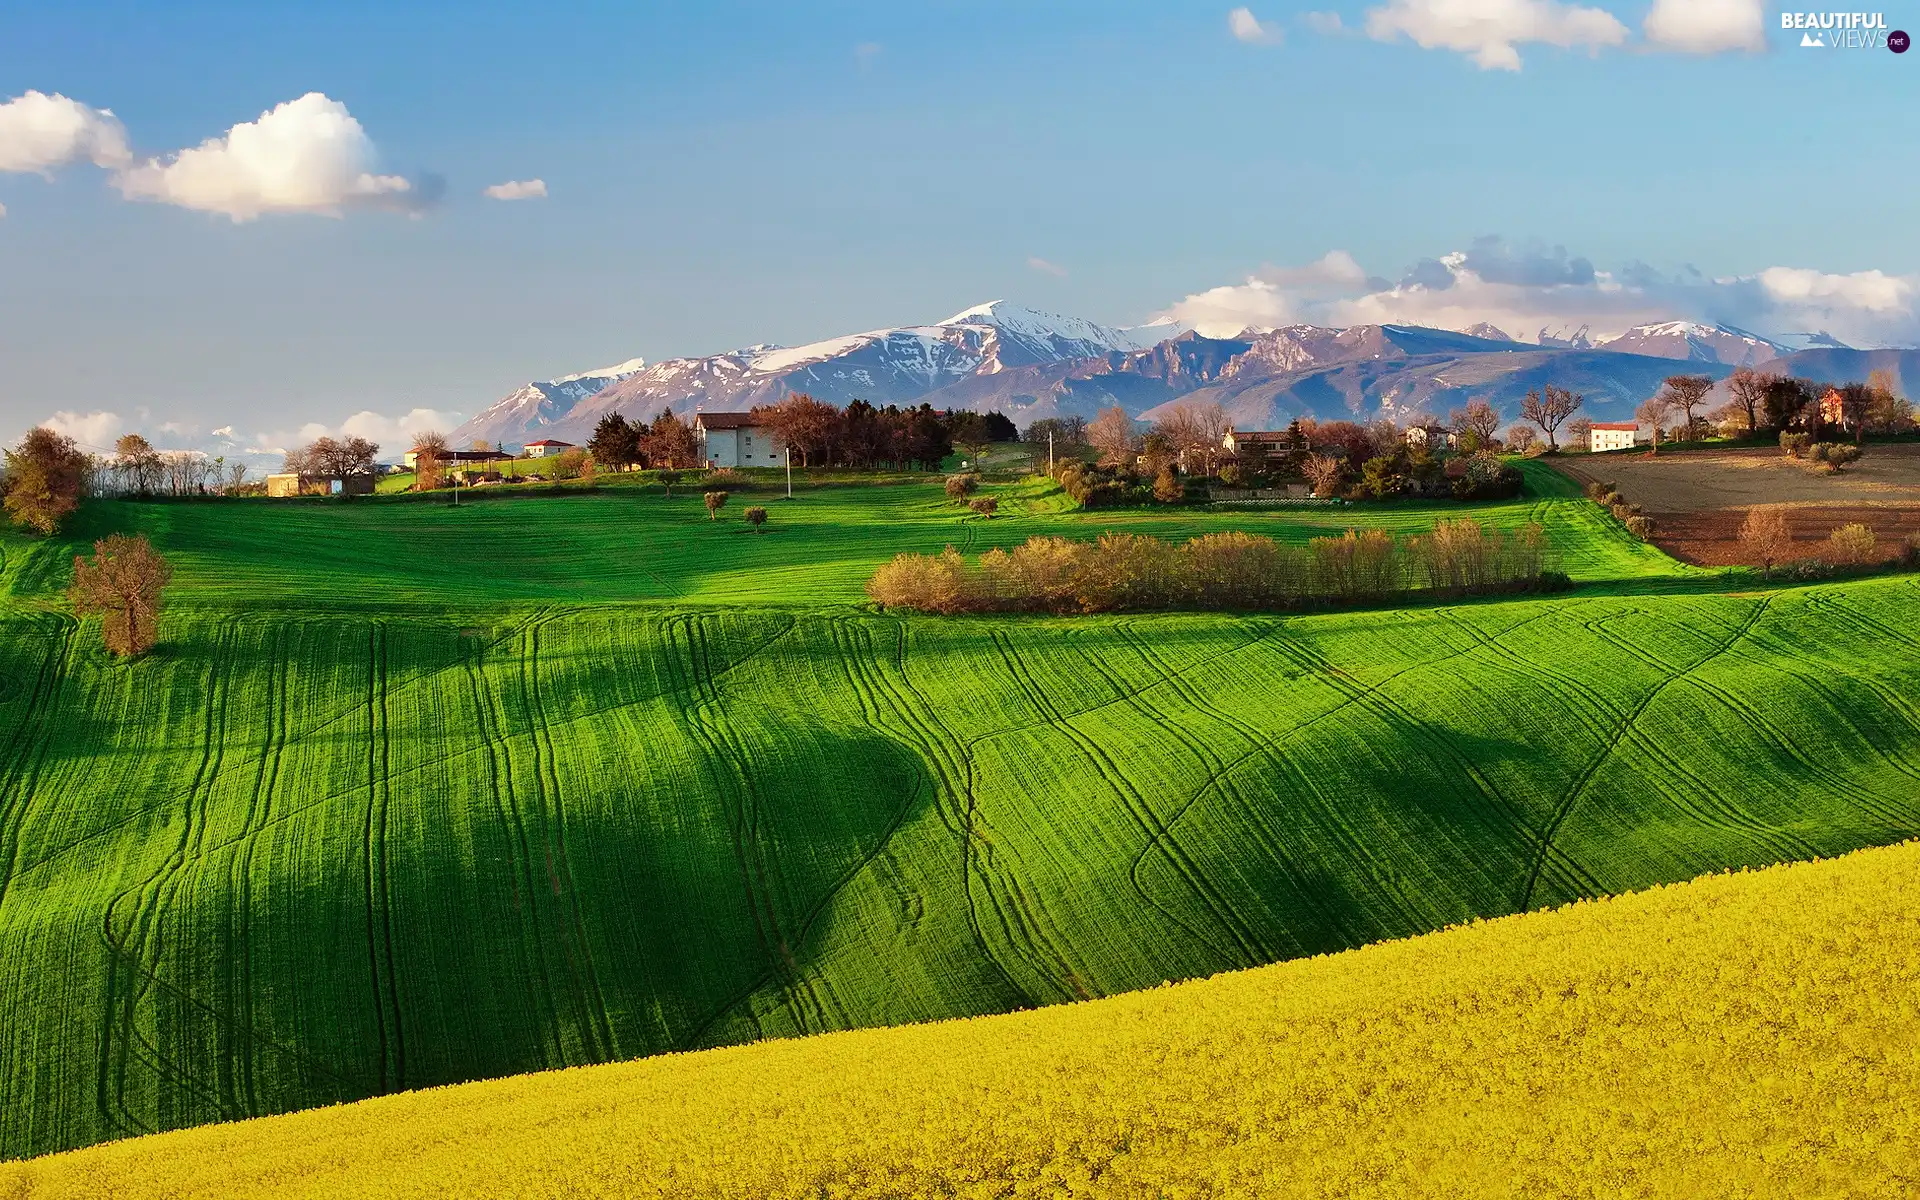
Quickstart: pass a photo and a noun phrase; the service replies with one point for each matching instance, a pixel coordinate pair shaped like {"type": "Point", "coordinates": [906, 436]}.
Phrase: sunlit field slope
{"type": "Point", "coordinates": [635, 543]}
{"type": "Point", "coordinates": [303, 855]}
{"type": "Point", "coordinates": [1743, 1035]}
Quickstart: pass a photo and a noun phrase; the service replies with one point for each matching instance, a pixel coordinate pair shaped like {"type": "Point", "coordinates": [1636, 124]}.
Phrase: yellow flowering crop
{"type": "Point", "coordinates": [1749, 1035]}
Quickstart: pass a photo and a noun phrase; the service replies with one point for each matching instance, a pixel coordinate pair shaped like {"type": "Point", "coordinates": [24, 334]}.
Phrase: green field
{"type": "Point", "coordinates": [412, 795]}
{"type": "Point", "coordinates": [624, 543]}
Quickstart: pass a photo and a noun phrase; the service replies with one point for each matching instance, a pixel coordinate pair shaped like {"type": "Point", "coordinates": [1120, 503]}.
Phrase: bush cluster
{"type": "Point", "coordinates": [1122, 572]}
{"type": "Point", "coordinates": [1831, 457]}
{"type": "Point", "coordinates": [1608, 496]}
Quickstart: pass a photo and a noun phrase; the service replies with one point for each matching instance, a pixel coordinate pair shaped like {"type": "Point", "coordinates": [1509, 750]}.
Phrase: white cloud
{"type": "Point", "coordinates": [518, 189]}
{"type": "Point", "coordinates": [1047, 268]}
{"type": "Point", "coordinates": [1533, 290]}
{"type": "Point", "coordinates": [94, 431]}
{"type": "Point", "coordinates": [3, 210]}
{"type": "Point", "coordinates": [1336, 269]}
{"type": "Point", "coordinates": [1815, 291]}
{"type": "Point", "coordinates": [1328, 23]}
{"type": "Point", "coordinates": [306, 156]}
{"type": "Point", "coordinates": [393, 434]}
{"type": "Point", "coordinates": [1246, 27]}
{"type": "Point", "coordinates": [1490, 30]}
{"type": "Point", "coordinates": [866, 52]}
{"type": "Point", "coordinates": [40, 133]}
{"type": "Point", "coordinates": [1707, 26]}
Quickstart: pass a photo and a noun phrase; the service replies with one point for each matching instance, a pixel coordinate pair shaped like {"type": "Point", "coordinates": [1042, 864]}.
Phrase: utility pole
{"type": "Point", "coordinates": [789, 472]}
{"type": "Point", "coordinates": [1049, 451]}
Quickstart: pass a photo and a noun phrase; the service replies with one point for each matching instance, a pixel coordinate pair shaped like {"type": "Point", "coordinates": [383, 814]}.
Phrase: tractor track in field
{"type": "Point", "coordinates": [870, 703]}
{"type": "Point", "coordinates": [1135, 801]}
{"type": "Point", "coordinates": [1218, 766]}
{"type": "Point", "coordinates": [1605, 753]}
{"type": "Point", "coordinates": [550, 614]}
{"type": "Point", "coordinates": [734, 785]}
{"type": "Point", "coordinates": [243, 1092]}
{"type": "Point", "coordinates": [1433, 742]}
{"type": "Point", "coordinates": [1272, 746]}
{"type": "Point", "coordinates": [1727, 812]}
{"type": "Point", "coordinates": [379, 884]}
{"type": "Point", "coordinates": [122, 1040]}
{"type": "Point", "coordinates": [546, 777]}
{"type": "Point", "coordinates": [1778, 741]}
{"type": "Point", "coordinates": [27, 751]}
{"type": "Point", "coordinates": [952, 763]}
{"type": "Point", "coordinates": [490, 725]}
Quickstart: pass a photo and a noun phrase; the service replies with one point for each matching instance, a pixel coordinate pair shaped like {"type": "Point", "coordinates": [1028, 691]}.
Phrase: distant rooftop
{"type": "Point", "coordinates": [725, 420]}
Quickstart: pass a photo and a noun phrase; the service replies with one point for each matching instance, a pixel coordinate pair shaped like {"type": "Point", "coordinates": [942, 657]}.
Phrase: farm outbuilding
{"type": "Point", "coordinates": [545, 447]}
{"type": "Point", "coordinates": [1613, 435]}
{"type": "Point", "coordinates": [736, 439]}
{"type": "Point", "coordinates": [287, 484]}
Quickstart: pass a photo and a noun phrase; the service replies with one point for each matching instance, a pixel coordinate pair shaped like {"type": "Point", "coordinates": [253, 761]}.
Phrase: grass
{"type": "Point", "coordinates": [413, 795]}
{"type": "Point", "coordinates": [632, 542]}
{"type": "Point", "coordinates": [1651, 1045]}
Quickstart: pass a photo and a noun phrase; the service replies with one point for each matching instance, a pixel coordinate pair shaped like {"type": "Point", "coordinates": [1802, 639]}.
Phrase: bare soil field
{"type": "Point", "coordinates": [1698, 498]}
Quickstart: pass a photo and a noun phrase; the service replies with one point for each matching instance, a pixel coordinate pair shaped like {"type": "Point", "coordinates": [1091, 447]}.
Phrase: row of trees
{"type": "Point", "coordinates": [332, 458]}
{"type": "Point", "coordinates": [1230, 570]}
{"type": "Point", "coordinates": [859, 436]}
{"type": "Point", "coordinates": [668, 443]}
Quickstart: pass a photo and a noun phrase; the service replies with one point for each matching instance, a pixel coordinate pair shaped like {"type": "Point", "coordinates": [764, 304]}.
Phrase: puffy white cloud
{"type": "Point", "coordinates": [40, 133]}
{"type": "Point", "coordinates": [1335, 270]}
{"type": "Point", "coordinates": [394, 434]}
{"type": "Point", "coordinates": [1246, 27]}
{"type": "Point", "coordinates": [1530, 291]}
{"type": "Point", "coordinates": [1707, 26]}
{"type": "Point", "coordinates": [305, 156]}
{"type": "Point", "coordinates": [1046, 268]}
{"type": "Point", "coordinates": [1226, 310]}
{"type": "Point", "coordinates": [94, 431]}
{"type": "Point", "coordinates": [518, 189]}
{"type": "Point", "coordinates": [1489, 31]}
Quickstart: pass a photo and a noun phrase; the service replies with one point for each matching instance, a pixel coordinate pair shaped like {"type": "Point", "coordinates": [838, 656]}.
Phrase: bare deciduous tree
{"type": "Point", "coordinates": [123, 584]}
{"type": "Point", "coordinates": [1196, 432]}
{"type": "Point", "coordinates": [1766, 538]}
{"type": "Point", "coordinates": [1654, 411]}
{"type": "Point", "coordinates": [1475, 424]}
{"type": "Point", "coordinates": [1111, 433]}
{"type": "Point", "coordinates": [138, 463]}
{"type": "Point", "coordinates": [1323, 472]}
{"type": "Point", "coordinates": [1548, 409]}
{"type": "Point", "coordinates": [1685, 394]}
{"type": "Point", "coordinates": [1748, 389]}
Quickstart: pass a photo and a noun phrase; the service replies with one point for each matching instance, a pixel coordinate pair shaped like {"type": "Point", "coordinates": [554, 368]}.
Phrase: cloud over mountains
{"type": "Point", "coordinates": [1527, 288]}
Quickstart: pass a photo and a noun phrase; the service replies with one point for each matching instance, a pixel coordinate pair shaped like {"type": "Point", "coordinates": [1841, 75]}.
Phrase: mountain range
{"type": "Point", "coordinates": [1032, 365]}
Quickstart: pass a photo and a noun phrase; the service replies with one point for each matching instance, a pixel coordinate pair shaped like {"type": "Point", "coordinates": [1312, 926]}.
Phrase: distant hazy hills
{"type": "Point", "coordinates": [1031, 365]}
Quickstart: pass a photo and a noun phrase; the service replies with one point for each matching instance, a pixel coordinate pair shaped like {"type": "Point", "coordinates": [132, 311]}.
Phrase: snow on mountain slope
{"type": "Point", "coordinates": [1695, 342]}
{"type": "Point", "coordinates": [515, 417]}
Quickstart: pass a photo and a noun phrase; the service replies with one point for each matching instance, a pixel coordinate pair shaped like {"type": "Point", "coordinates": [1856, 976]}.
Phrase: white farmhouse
{"type": "Point", "coordinates": [1613, 435]}
{"type": "Point", "coordinates": [734, 439]}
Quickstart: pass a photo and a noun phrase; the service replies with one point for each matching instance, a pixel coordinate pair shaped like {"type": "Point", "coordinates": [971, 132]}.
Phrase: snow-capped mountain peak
{"type": "Point", "coordinates": [1696, 342]}
{"type": "Point", "coordinates": [617, 371]}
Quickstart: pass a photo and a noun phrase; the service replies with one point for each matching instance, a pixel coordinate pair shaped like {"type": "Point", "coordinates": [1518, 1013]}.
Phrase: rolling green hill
{"type": "Point", "coordinates": [409, 797]}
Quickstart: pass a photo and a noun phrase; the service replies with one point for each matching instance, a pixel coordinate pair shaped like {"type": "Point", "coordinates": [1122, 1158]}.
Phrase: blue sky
{"type": "Point", "coordinates": [720, 174]}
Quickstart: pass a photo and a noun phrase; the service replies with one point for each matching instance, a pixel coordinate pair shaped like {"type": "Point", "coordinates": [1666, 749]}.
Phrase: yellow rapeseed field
{"type": "Point", "coordinates": [1741, 1035]}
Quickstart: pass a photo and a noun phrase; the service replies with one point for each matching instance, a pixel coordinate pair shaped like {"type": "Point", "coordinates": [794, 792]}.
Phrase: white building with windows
{"type": "Point", "coordinates": [733, 439]}
{"type": "Point", "coordinates": [1613, 435]}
